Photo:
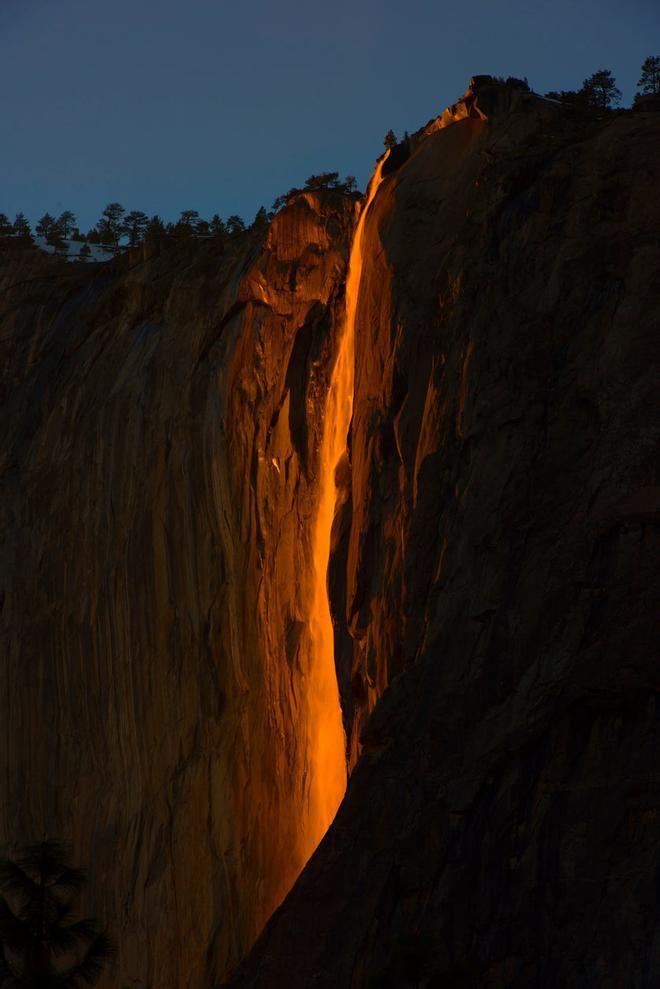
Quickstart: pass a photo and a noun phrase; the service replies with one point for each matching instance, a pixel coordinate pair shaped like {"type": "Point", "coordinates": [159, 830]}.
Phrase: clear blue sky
{"type": "Point", "coordinates": [220, 106]}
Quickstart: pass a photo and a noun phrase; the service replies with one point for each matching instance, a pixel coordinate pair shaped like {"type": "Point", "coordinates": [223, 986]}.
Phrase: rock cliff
{"type": "Point", "coordinates": [492, 578]}
{"type": "Point", "coordinates": [501, 825]}
{"type": "Point", "coordinates": [160, 427]}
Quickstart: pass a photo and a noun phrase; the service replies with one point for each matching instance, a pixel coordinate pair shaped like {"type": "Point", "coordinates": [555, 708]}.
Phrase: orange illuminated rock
{"type": "Point", "coordinates": [174, 478]}
{"type": "Point", "coordinates": [502, 570]}
{"type": "Point", "coordinates": [163, 420]}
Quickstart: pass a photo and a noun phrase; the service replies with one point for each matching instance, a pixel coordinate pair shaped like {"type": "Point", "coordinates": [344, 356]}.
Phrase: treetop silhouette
{"type": "Point", "coordinates": [390, 139]}
{"type": "Point", "coordinates": [649, 82]}
{"type": "Point", "coordinates": [601, 89]}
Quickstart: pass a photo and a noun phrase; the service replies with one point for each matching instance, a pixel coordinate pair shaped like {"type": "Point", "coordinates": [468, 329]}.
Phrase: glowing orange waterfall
{"type": "Point", "coordinates": [326, 739]}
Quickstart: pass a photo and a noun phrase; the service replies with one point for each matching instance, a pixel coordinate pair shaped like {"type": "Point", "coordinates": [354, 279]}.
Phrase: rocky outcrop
{"type": "Point", "coordinates": [501, 826]}
{"type": "Point", "coordinates": [491, 582]}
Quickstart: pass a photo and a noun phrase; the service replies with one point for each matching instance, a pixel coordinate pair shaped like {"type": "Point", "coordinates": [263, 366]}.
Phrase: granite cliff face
{"type": "Point", "coordinates": [494, 561]}
{"type": "Point", "coordinates": [161, 422]}
{"type": "Point", "coordinates": [501, 826]}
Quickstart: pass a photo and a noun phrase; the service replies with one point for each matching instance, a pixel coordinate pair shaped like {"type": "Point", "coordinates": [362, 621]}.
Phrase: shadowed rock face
{"type": "Point", "coordinates": [492, 577]}
{"type": "Point", "coordinates": [501, 826]}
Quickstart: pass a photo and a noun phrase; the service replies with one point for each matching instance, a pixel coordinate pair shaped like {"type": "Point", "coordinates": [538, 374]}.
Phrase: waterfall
{"type": "Point", "coordinates": [326, 739]}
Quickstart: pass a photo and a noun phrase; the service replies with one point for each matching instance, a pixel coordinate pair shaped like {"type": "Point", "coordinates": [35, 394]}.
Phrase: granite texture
{"type": "Point", "coordinates": [494, 578]}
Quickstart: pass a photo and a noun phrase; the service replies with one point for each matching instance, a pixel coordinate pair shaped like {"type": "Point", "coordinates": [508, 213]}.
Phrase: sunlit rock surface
{"type": "Point", "coordinates": [491, 581]}
{"type": "Point", "coordinates": [502, 826]}
{"type": "Point", "coordinates": [160, 422]}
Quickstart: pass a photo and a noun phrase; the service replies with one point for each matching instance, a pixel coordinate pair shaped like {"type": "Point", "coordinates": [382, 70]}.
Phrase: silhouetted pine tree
{"type": "Point", "coordinates": [187, 223]}
{"type": "Point", "coordinates": [235, 225]}
{"type": "Point", "coordinates": [65, 222]}
{"type": "Point", "coordinates": [43, 947]}
{"type": "Point", "coordinates": [45, 225]}
{"type": "Point", "coordinates": [155, 228]}
{"type": "Point", "coordinates": [135, 225]}
{"type": "Point", "coordinates": [261, 219]}
{"type": "Point", "coordinates": [111, 224]}
{"type": "Point", "coordinates": [22, 227]}
{"type": "Point", "coordinates": [600, 90]}
{"type": "Point", "coordinates": [216, 226]}
{"type": "Point", "coordinates": [649, 82]}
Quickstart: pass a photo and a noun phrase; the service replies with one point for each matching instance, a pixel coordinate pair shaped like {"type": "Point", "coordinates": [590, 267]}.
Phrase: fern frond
{"type": "Point", "coordinates": [100, 953]}
{"type": "Point", "coordinates": [47, 858]}
{"type": "Point", "coordinates": [69, 881]}
{"type": "Point", "coordinates": [14, 879]}
{"type": "Point", "coordinates": [63, 938]}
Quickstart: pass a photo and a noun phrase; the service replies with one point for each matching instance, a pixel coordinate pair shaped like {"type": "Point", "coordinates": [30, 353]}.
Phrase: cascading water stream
{"type": "Point", "coordinates": [326, 739]}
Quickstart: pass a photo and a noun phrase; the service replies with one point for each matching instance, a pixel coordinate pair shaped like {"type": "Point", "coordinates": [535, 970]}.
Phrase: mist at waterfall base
{"type": "Point", "coordinates": [221, 108]}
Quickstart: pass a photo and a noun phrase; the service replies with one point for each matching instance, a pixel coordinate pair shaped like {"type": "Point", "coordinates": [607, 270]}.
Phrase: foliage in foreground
{"type": "Point", "coordinates": [42, 946]}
